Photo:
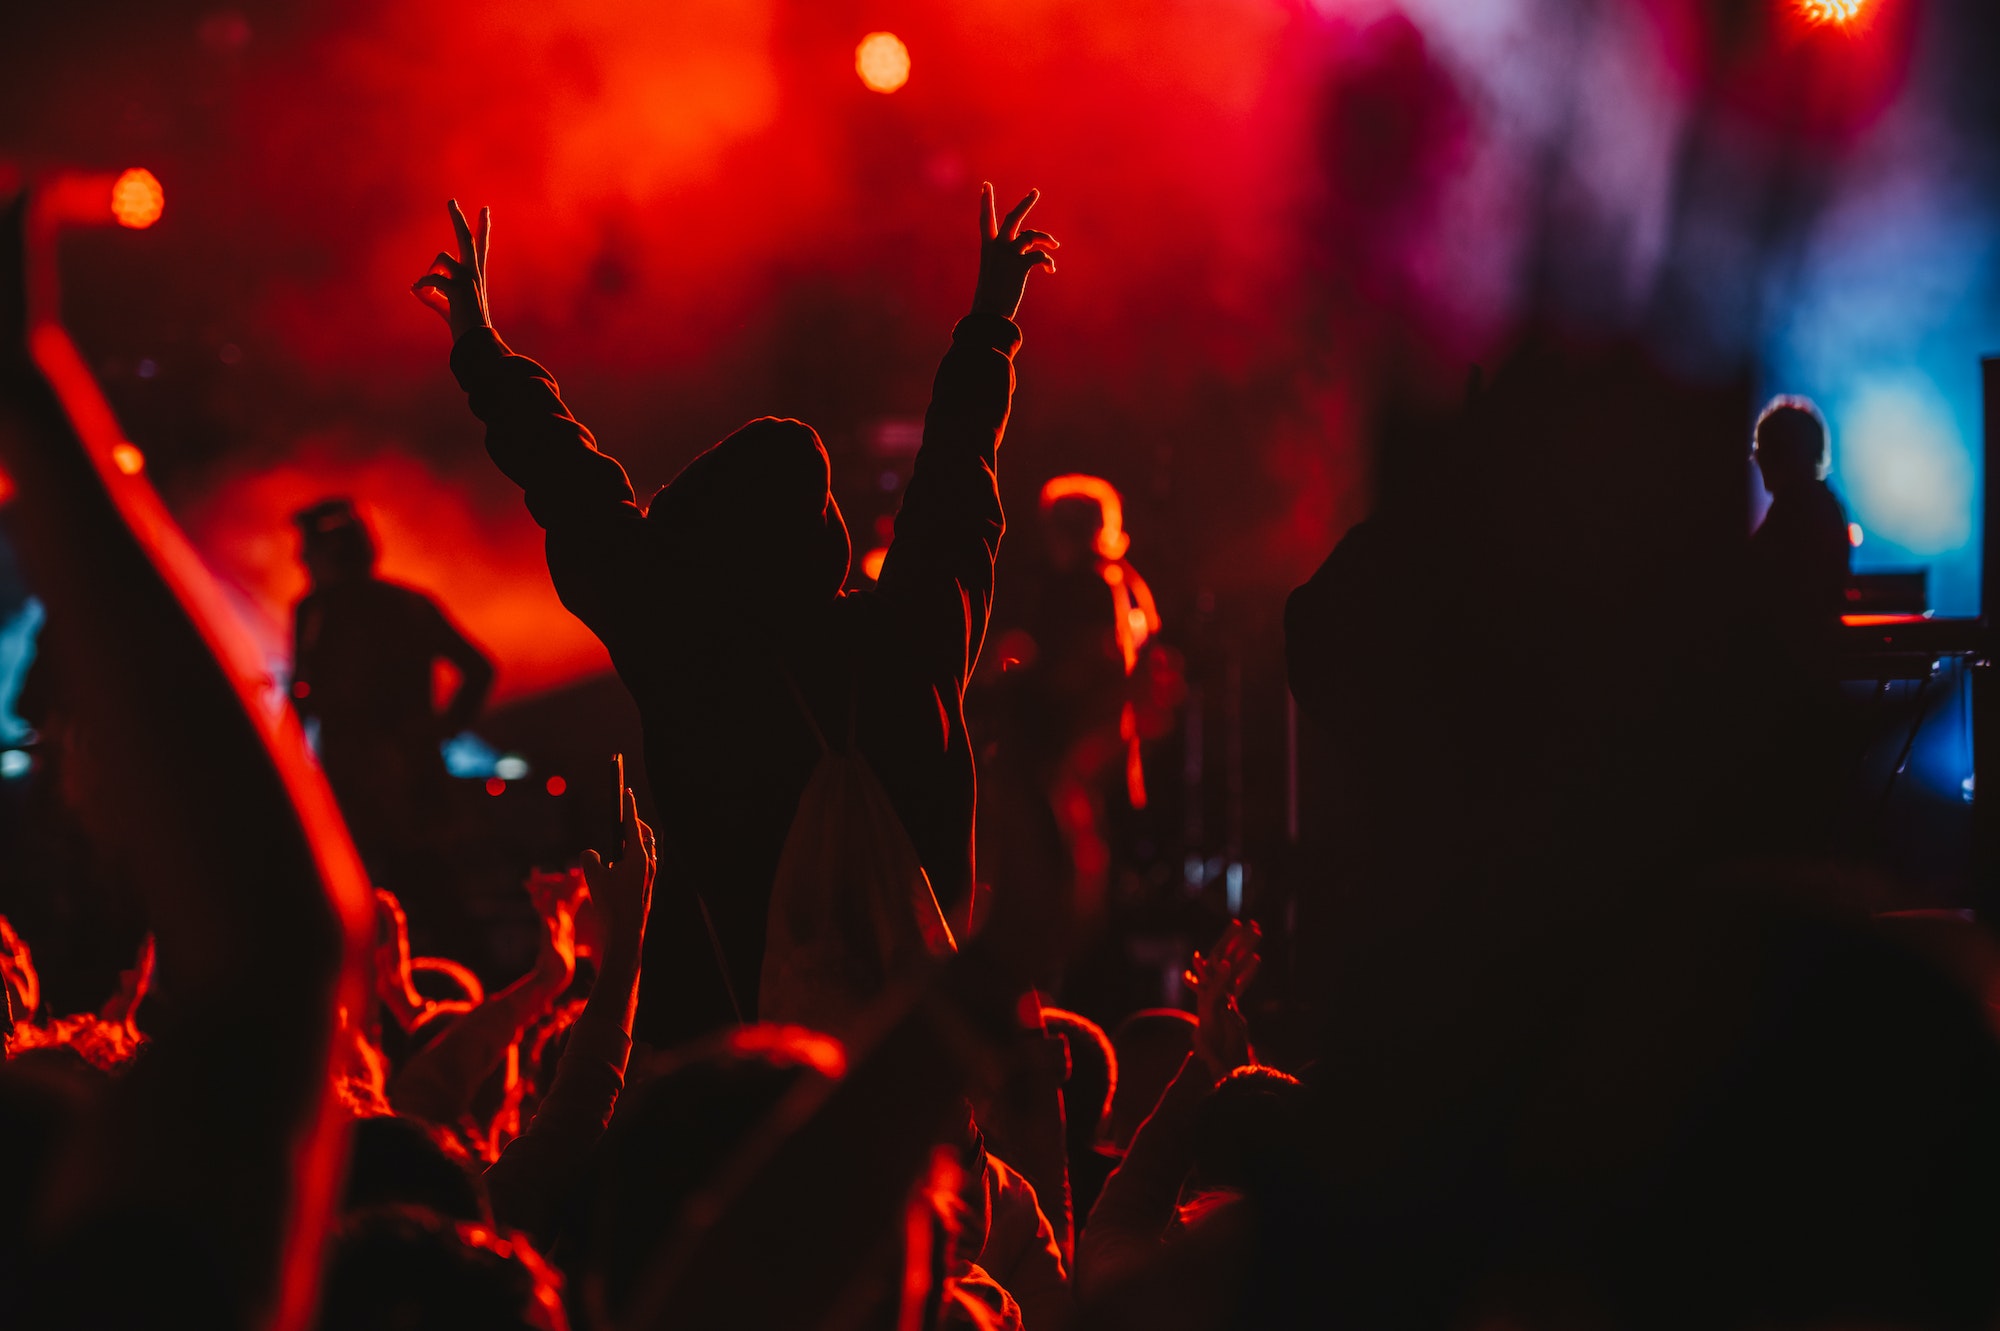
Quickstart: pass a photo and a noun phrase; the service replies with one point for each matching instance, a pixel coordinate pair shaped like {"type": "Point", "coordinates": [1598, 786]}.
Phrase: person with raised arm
{"type": "Point", "coordinates": [722, 604]}
{"type": "Point", "coordinates": [539, 1169]}
{"type": "Point", "coordinates": [1141, 1260]}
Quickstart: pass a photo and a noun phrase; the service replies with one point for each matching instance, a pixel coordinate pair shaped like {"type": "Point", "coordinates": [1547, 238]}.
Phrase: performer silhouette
{"type": "Point", "coordinates": [362, 667]}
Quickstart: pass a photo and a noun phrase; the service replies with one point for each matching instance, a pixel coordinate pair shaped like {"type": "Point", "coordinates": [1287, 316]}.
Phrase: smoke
{"type": "Point", "coordinates": [433, 533]}
{"type": "Point", "coordinates": [1275, 217]}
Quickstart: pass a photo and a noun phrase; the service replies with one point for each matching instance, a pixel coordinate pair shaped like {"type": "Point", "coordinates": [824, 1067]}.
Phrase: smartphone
{"type": "Point", "coordinates": [607, 836]}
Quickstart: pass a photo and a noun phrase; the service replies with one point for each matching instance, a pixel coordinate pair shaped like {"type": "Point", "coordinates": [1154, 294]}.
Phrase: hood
{"type": "Point", "coordinates": [755, 513]}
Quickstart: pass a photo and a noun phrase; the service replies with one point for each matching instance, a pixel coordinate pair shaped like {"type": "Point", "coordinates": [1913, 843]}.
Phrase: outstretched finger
{"type": "Point", "coordinates": [629, 822]}
{"type": "Point", "coordinates": [485, 238]}
{"type": "Point", "coordinates": [1019, 211]}
{"type": "Point", "coordinates": [466, 250]}
{"type": "Point", "coordinates": [1036, 240]}
{"type": "Point", "coordinates": [988, 228]}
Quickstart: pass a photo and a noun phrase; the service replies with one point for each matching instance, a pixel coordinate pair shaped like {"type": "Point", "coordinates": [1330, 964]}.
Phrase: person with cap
{"type": "Point", "coordinates": [724, 607]}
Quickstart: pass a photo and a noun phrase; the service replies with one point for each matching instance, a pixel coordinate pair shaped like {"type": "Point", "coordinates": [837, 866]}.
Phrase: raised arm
{"type": "Point", "coordinates": [580, 495]}
{"type": "Point", "coordinates": [537, 1171]}
{"type": "Point", "coordinates": [940, 564]}
{"type": "Point", "coordinates": [1126, 1228]}
{"type": "Point", "coordinates": [223, 1152]}
{"type": "Point", "coordinates": [441, 1080]}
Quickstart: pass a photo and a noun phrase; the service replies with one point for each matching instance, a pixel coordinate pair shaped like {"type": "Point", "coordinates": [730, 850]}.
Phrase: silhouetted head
{"type": "Point", "coordinates": [399, 1161]}
{"type": "Point", "coordinates": [1250, 1133]}
{"type": "Point", "coordinates": [1791, 444]}
{"type": "Point", "coordinates": [404, 1266]}
{"type": "Point", "coordinates": [1083, 519]}
{"type": "Point", "coordinates": [756, 513]}
{"type": "Point", "coordinates": [335, 544]}
{"type": "Point", "coordinates": [1093, 1074]}
{"type": "Point", "coordinates": [671, 1139]}
{"type": "Point", "coordinates": [1150, 1046]}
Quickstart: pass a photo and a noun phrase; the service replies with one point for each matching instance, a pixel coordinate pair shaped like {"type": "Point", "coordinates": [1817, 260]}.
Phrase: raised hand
{"type": "Point", "coordinates": [624, 891]}
{"type": "Point", "coordinates": [456, 288]}
{"type": "Point", "coordinates": [555, 961]}
{"type": "Point", "coordinates": [1007, 254]}
{"type": "Point", "coordinates": [569, 890]}
{"type": "Point", "coordinates": [1222, 1037]}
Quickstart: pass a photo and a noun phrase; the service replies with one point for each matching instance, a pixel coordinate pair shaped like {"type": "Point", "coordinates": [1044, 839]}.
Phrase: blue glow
{"type": "Point", "coordinates": [1895, 299]}
{"type": "Point", "coordinates": [17, 652]}
{"type": "Point", "coordinates": [467, 755]}
{"type": "Point", "coordinates": [1941, 759]}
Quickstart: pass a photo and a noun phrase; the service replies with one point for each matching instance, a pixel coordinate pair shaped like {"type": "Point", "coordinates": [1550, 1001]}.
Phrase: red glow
{"type": "Point", "coordinates": [882, 61]}
{"type": "Point", "coordinates": [464, 542]}
{"type": "Point", "coordinates": [495, 786]}
{"type": "Point", "coordinates": [1111, 540]}
{"type": "Point", "coordinates": [1831, 11]}
{"type": "Point", "coordinates": [1881, 621]}
{"type": "Point", "coordinates": [871, 563]}
{"type": "Point", "coordinates": [128, 459]}
{"type": "Point", "coordinates": [302, 690]}
{"type": "Point", "coordinates": [1854, 534]}
{"type": "Point", "coordinates": [555, 785]}
{"type": "Point", "coordinates": [137, 200]}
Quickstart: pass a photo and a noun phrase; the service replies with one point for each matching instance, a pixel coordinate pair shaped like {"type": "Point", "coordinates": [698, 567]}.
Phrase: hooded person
{"type": "Point", "coordinates": [723, 607]}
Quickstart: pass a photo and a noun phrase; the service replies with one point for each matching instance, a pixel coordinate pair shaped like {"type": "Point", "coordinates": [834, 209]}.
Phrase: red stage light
{"type": "Point", "coordinates": [871, 563]}
{"type": "Point", "coordinates": [128, 459]}
{"type": "Point", "coordinates": [555, 785]}
{"type": "Point", "coordinates": [1830, 11]}
{"type": "Point", "coordinates": [137, 199]}
{"type": "Point", "coordinates": [495, 786]}
{"type": "Point", "coordinates": [882, 61]}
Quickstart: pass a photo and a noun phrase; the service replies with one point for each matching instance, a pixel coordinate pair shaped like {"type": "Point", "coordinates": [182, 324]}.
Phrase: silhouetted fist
{"type": "Point", "coordinates": [456, 288]}
{"type": "Point", "coordinates": [1008, 254]}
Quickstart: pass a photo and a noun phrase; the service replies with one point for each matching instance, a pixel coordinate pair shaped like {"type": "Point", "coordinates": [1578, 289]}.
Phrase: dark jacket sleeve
{"type": "Point", "coordinates": [580, 495]}
{"type": "Point", "coordinates": [939, 569]}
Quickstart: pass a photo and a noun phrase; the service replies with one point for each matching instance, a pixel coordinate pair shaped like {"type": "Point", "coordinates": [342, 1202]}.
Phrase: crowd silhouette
{"type": "Point", "coordinates": [1581, 1021]}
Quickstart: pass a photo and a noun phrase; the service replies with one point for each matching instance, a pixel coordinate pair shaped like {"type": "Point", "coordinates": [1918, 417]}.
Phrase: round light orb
{"type": "Point", "coordinates": [137, 199]}
{"type": "Point", "coordinates": [882, 61]}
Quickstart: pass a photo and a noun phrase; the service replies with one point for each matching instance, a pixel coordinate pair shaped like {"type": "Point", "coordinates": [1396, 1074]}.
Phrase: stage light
{"type": "Point", "coordinates": [882, 61]}
{"type": "Point", "coordinates": [512, 767]}
{"type": "Point", "coordinates": [495, 786]}
{"type": "Point", "coordinates": [555, 785]}
{"type": "Point", "coordinates": [128, 459]}
{"type": "Point", "coordinates": [1831, 11]}
{"type": "Point", "coordinates": [137, 199]}
{"type": "Point", "coordinates": [1854, 534]}
{"type": "Point", "coordinates": [871, 563]}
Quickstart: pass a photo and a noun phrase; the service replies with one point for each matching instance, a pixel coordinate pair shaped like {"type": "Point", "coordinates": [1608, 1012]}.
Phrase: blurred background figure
{"type": "Point", "coordinates": [1799, 555]}
{"type": "Point", "coordinates": [1073, 689]}
{"type": "Point", "coordinates": [1795, 590]}
{"type": "Point", "coordinates": [364, 674]}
